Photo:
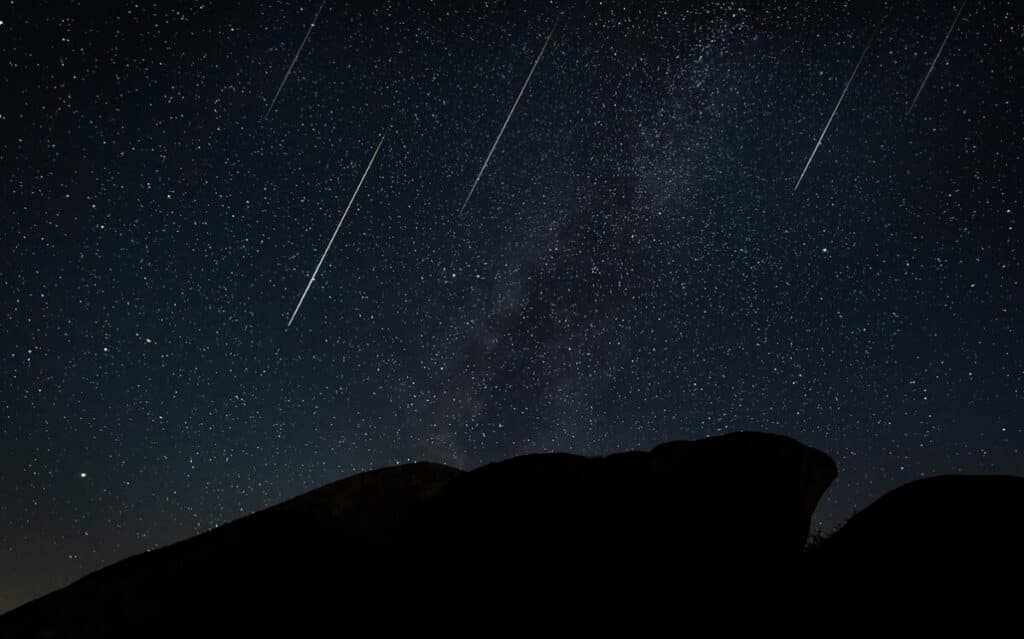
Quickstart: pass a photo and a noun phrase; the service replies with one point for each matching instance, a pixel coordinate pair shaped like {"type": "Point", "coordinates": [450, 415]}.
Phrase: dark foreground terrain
{"type": "Point", "coordinates": [727, 511]}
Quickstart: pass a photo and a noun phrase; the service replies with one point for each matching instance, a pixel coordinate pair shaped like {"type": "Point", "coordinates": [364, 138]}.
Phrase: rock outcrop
{"type": "Point", "coordinates": [405, 533]}
{"type": "Point", "coordinates": [738, 498]}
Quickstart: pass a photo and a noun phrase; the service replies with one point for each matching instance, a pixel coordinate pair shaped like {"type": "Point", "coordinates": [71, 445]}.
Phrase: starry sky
{"type": "Point", "coordinates": [634, 266]}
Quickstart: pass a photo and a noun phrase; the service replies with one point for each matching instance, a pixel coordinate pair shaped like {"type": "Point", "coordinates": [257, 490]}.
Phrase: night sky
{"type": "Point", "coordinates": [634, 266]}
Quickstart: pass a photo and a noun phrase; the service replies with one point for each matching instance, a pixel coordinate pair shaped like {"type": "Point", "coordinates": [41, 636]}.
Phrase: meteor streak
{"type": "Point", "coordinates": [937, 55]}
{"type": "Point", "coordinates": [507, 118]}
{"type": "Point", "coordinates": [338, 228]}
{"type": "Point", "coordinates": [836, 110]}
{"type": "Point", "coordinates": [294, 60]}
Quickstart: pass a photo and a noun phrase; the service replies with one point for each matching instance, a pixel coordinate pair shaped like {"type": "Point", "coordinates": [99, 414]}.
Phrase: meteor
{"type": "Point", "coordinates": [294, 60]}
{"type": "Point", "coordinates": [937, 55]}
{"type": "Point", "coordinates": [338, 228]}
{"type": "Point", "coordinates": [836, 110]}
{"type": "Point", "coordinates": [507, 118]}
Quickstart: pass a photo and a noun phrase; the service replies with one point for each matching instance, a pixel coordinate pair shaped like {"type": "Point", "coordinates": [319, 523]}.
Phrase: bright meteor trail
{"type": "Point", "coordinates": [836, 110]}
{"type": "Point", "coordinates": [937, 55]}
{"type": "Point", "coordinates": [295, 59]}
{"type": "Point", "coordinates": [338, 228]}
{"type": "Point", "coordinates": [507, 118]}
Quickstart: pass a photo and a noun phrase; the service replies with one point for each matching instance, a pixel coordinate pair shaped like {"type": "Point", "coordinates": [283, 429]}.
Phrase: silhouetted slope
{"type": "Point", "coordinates": [937, 526]}
{"type": "Point", "coordinates": [402, 534]}
{"type": "Point", "coordinates": [260, 562]}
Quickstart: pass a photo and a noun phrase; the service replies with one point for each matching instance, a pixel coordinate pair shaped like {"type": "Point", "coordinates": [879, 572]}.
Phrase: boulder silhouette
{"type": "Point", "coordinates": [400, 534]}
{"type": "Point", "coordinates": [737, 498]}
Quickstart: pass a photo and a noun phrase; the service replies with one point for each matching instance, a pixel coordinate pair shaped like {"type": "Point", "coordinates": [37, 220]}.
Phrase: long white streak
{"type": "Point", "coordinates": [937, 55]}
{"type": "Point", "coordinates": [836, 110]}
{"type": "Point", "coordinates": [507, 119]}
{"type": "Point", "coordinates": [295, 59]}
{"type": "Point", "coordinates": [337, 228]}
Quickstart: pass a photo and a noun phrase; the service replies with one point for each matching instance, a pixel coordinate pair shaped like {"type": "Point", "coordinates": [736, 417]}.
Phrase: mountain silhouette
{"type": "Point", "coordinates": [732, 509]}
{"type": "Point", "coordinates": [949, 525]}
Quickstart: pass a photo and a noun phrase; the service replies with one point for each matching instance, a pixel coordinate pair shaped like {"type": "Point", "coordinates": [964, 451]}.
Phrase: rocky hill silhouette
{"type": "Point", "coordinates": [734, 506]}
{"type": "Point", "coordinates": [953, 525]}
